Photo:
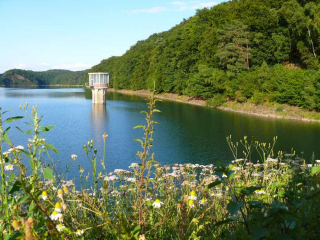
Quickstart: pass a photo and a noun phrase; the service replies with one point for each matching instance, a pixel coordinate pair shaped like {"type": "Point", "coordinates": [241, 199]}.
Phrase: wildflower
{"type": "Point", "coordinates": [57, 207]}
{"type": "Point", "coordinates": [157, 203]}
{"type": "Point", "coordinates": [134, 165]}
{"type": "Point", "coordinates": [60, 227]}
{"type": "Point", "coordinates": [193, 196]}
{"type": "Point", "coordinates": [79, 232]}
{"type": "Point", "coordinates": [142, 237]}
{"type": "Point", "coordinates": [64, 206]}
{"type": "Point", "coordinates": [260, 192]}
{"type": "Point", "coordinates": [44, 195]}
{"type": "Point", "coordinates": [74, 157]}
{"type": "Point", "coordinates": [272, 160]}
{"type": "Point", "coordinates": [219, 195]}
{"type": "Point", "coordinates": [16, 225]}
{"type": "Point", "coordinates": [55, 216]}
{"type": "Point", "coordinates": [8, 167]}
{"type": "Point", "coordinates": [65, 190]}
{"type": "Point", "coordinates": [203, 201]}
{"type": "Point", "coordinates": [238, 160]}
{"type": "Point", "coordinates": [104, 186]}
{"type": "Point", "coordinates": [104, 136]}
{"type": "Point", "coordinates": [60, 193]}
{"type": "Point", "coordinates": [110, 178]}
{"type": "Point", "coordinates": [130, 179]}
{"type": "Point", "coordinates": [259, 174]}
{"type": "Point", "coordinates": [191, 203]}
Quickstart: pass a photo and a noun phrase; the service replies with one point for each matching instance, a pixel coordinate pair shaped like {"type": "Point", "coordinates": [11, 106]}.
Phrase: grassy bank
{"type": "Point", "coordinates": [275, 110]}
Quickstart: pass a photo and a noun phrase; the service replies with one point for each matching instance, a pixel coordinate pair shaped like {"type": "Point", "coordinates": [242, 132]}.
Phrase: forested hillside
{"type": "Point", "coordinates": [244, 50]}
{"type": "Point", "coordinates": [18, 77]}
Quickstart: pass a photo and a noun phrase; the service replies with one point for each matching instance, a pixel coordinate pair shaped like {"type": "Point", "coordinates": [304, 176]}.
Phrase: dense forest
{"type": "Point", "coordinates": [18, 77]}
{"type": "Point", "coordinates": [241, 50]}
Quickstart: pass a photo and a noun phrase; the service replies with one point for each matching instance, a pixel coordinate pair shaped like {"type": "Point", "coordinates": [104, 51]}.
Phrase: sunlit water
{"type": "Point", "coordinates": [186, 133]}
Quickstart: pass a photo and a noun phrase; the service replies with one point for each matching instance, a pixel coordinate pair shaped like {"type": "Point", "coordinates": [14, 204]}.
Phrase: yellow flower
{"type": "Point", "coordinates": [104, 186]}
{"type": "Point", "coordinates": [15, 224]}
{"type": "Point", "coordinates": [104, 136]}
{"type": "Point", "coordinates": [60, 193]}
{"type": "Point", "coordinates": [157, 203]}
{"type": "Point", "coordinates": [203, 201]}
{"type": "Point", "coordinates": [44, 195]}
{"type": "Point", "coordinates": [191, 203]}
{"type": "Point", "coordinates": [57, 207]}
{"type": "Point", "coordinates": [79, 232]}
{"type": "Point", "coordinates": [193, 196]}
{"type": "Point", "coordinates": [65, 190]}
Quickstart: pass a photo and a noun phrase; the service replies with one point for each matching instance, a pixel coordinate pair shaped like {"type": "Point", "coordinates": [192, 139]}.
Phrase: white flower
{"type": "Point", "coordinates": [259, 174]}
{"type": "Point", "coordinates": [271, 160]}
{"type": "Point", "coordinates": [60, 227]}
{"type": "Point", "coordinates": [79, 232]}
{"type": "Point", "coordinates": [134, 165]}
{"type": "Point", "coordinates": [111, 178]}
{"type": "Point", "coordinates": [130, 179]}
{"type": "Point", "coordinates": [74, 157]}
{"type": "Point", "coordinates": [193, 196]}
{"type": "Point", "coordinates": [55, 216]}
{"type": "Point", "coordinates": [8, 167]}
{"type": "Point", "coordinates": [238, 160]}
{"type": "Point", "coordinates": [219, 195]}
{"type": "Point", "coordinates": [157, 203]}
{"type": "Point", "coordinates": [19, 147]}
{"type": "Point", "coordinates": [260, 192]}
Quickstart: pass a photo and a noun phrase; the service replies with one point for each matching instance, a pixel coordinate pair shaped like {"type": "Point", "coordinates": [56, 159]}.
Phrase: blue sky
{"type": "Point", "coordinates": [77, 34]}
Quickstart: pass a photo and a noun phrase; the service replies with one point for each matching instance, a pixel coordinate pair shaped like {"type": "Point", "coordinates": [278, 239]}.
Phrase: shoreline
{"type": "Point", "coordinates": [287, 112]}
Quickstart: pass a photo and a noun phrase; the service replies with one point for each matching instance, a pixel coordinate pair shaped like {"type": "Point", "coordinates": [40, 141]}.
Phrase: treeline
{"type": "Point", "coordinates": [244, 50]}
{"type": "Point", "coordinates": [18, 77]}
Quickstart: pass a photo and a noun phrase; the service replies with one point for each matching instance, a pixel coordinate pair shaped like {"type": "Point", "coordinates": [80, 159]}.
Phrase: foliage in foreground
{"type": "Point", "coordinates": [273, 198]}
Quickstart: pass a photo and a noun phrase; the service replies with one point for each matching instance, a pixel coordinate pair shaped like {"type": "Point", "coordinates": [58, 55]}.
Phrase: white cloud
{"type": "Point", "coordinates": [150, 10]}
{"type": "Point", "coordinates": [177, 3]}
{"type": "Point", "coordinates": [20, 66]}
{"type": "Point", "coordinates": [73, 67]}
{"type": "Point", "coordinates": [204, 5]}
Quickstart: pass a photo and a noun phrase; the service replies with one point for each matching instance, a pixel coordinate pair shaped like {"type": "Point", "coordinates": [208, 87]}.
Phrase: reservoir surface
{"type": "Point", "coordinates": [185, 133]}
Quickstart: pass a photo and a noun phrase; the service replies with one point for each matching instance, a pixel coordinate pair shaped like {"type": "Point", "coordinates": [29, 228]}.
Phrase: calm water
{"type": "Point", "coordinates": [186, 133]}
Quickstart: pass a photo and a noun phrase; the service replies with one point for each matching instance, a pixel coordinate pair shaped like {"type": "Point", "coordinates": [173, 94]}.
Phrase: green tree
{"type": "Point", "coordinates": [233, 48]}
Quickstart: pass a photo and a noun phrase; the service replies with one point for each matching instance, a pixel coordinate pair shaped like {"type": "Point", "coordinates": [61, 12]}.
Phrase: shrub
{"type": "Point", "coordinates": [216, 101]}
{"type": "Point", "coordinates": [279, 109]}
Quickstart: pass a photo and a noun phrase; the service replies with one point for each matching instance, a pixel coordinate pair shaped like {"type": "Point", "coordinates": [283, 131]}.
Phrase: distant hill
{"type": "Point", "coordinates": [18, 77]}
{"type": "Point", "coordinates": [239, 50]}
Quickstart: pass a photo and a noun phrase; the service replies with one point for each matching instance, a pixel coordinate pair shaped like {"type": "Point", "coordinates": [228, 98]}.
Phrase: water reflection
{"type": "Point", "coordinates": [99, 116]}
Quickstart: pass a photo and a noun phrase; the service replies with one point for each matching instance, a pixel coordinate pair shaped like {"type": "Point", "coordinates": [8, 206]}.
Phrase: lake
{"type": "Point", "coordinates": [185, 133]}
